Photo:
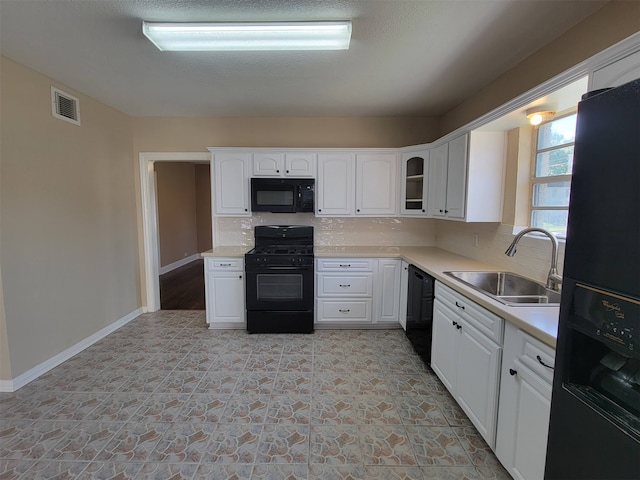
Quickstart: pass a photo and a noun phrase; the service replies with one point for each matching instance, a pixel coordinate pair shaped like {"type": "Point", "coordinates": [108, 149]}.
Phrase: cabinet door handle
{"type": "Point", "coordinates": [246, 209]}
{"type": "Point", "coordinates": [345, 286]}
{"type": "Point", "coordinates": [287, 171]}
{"type": "Point", "coordinates": [344, 310]}
{"type": "Point", "coordinates": [446, 211]}
{"type": "Point", "coordinates": [455, 324]}
{"type": "Point", "coordinates": [240, 277]}
{"type": "Point", "coordinates": [357, 210]}
{"type": "Point", "coordinates": [459, 306]}
{"type": "Point", "coordinates": [459, 327]}
{"type": "Point", "coordinates": [277, 171]}
{"type": "Point", "coordinates": [542, 363]}
{"type": "Point", "coordinates": [319, 210]}
{"type": "Point", "coordinates": [513, 372]}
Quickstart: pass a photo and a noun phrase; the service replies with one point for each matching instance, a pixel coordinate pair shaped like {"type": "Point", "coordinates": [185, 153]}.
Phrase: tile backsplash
{"type": "Point", "coordinates": [532, 259]}
{"type": "Point", "coordinates": [334, 231]}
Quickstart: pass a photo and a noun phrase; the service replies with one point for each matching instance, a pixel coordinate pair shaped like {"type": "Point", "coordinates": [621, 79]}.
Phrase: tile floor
{"type": "Point", "coordinates": [164, 397]}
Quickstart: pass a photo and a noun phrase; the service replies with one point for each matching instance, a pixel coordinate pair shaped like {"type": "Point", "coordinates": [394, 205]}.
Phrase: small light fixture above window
{"type": "Point", "coordinates": [538, 115]}
{"type": "Point", "coordinates": [251, 36]}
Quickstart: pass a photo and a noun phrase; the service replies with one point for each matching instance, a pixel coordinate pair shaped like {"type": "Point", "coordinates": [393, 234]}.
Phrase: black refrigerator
{"type": "Point", "coordinates": [594, 430]}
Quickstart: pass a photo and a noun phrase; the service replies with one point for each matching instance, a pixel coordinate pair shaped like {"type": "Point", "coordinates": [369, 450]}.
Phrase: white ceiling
{"type": "Point", "coordinates": [407, 57]}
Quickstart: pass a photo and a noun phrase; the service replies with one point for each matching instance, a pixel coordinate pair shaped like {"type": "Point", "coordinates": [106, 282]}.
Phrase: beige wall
{"type": "Point", "coordinates": [196, 134]}
{"type": "Point", "coordinates": [184, 209]}
{"type": "Point", "coordinates": [203, 207]}
{"type": "Point", "coordinates": [69, 239]}
{"type": "Point", "coordinates": [614, 22]}
{"type": "Point", "coordinates": [177, 222]}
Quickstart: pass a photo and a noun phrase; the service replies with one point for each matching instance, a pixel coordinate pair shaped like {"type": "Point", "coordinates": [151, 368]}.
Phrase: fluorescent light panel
{"type": "Point", "coordinates": [249, 36]}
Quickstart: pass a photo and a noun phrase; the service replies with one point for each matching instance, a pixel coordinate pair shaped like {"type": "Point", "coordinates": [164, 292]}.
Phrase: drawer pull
{"type": "Point", "coordinates": [345, 286]}
{"type": "Point", "coordinates": [459, 306]}
{"type": "Point", "coordinates": [346, 310]}
{"type": "Point", "coordinates": [542, 363]}
{"type": "Point", "coordinates": [225, 264]}
{"type": "Point", "coordinates": [345, 265]}
{"type": "Point", "coordinates": [513, 372]}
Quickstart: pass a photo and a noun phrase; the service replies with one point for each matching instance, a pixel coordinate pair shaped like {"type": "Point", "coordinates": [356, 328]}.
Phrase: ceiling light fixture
{"type": "Point", "coordinates": [251, 36]}
{"type": "Point", "coordinates": [537, 115]}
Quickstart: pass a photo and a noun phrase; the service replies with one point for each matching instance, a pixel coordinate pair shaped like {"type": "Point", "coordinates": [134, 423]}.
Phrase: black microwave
{"type": "Point", "coordinates": [282, 195]}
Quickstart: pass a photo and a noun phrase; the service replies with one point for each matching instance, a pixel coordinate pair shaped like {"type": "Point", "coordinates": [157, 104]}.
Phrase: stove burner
{"type": "Point", "coordinates": [283, 250]}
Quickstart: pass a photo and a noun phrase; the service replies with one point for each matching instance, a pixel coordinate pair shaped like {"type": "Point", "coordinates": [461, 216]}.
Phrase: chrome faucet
{"type": "Point", "coordinates": [554, 280]}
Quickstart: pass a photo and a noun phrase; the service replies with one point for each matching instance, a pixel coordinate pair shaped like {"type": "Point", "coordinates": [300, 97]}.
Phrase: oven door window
{"type": "Point", "coordinates": [279, 287]}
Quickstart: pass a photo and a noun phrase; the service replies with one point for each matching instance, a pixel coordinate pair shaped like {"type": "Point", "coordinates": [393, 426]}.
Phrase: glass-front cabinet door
{"type": "Point", "coordinates": [415, 170]}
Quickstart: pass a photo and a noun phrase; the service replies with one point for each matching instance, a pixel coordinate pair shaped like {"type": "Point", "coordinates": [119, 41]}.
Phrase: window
{"type": "Point", "coordinates": [551, 182]}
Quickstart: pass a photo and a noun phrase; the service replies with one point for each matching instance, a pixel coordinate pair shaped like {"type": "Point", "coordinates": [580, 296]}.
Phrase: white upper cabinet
{"type": "Point", "coordinates": [268, 164]}
{"type": "Point", "coordinates": [466, 178]}
{"type": "Point", "coordinates": [457, 178]}
{"type": "Point", "coordinates": [376, 181]}
{"type": "Point", "coordinates": [300, 164]}
{"type": "Point", "coordinates": [230, 182]}
{"type": "Point", "coordinates": [414, 183]}
{"type": "Point", "coordinates": [334, 189]}
{"type": "Point", "coordinates": [284, 165]}
{"type": "Point", "coordinates": [437, 181]}
{"type": "Point", "coordinates": [617, 73]}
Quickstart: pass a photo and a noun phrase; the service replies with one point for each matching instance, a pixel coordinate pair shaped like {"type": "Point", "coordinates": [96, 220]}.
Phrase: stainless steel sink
{"type": "Point", "coordinates": [508, 288]}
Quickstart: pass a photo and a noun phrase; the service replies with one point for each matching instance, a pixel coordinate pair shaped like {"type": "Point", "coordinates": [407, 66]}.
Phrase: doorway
{"type": "Point", "coordinates": [153, 265]}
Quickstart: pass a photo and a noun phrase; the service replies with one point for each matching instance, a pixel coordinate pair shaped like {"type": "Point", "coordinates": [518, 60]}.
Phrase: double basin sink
{"type": "Point", "coordinates": [508, 288]}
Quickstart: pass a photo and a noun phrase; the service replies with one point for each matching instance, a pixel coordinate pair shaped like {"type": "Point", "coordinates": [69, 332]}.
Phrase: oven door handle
{"type": "Point", "coordinates": [297, 267]}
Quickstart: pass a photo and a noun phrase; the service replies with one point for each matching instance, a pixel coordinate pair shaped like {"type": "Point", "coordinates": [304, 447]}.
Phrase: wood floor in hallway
{"type": "Point", "coordinates": [183, 288]}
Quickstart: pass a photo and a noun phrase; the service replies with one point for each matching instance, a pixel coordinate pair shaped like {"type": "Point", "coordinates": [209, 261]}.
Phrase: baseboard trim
{"type": "Point", "coordinates": [179, 263]}
{"type": "Point", "coordinates": [35, 372]}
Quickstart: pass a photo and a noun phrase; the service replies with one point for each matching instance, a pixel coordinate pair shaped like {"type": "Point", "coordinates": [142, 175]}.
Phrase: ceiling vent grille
{"type": "Point", "coordinates": [64, 106]}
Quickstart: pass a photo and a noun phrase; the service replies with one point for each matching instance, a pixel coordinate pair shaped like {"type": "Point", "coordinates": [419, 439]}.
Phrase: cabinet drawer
{"type": "Point", "coordinates": [225, 264]}
{"type": "Point", "coordinates": [345, 285]}
{"type": "Point", "coordinates": [537, 356]}
{"type": "Point", "coordinates": [344, 310]}
{"type": "Point", "coordinates": [483, 320]}
{"type": "Point", "coordinates": [345, 264]}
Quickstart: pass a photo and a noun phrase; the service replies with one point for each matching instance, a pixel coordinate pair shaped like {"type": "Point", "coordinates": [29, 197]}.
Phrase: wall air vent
{"type": "Point", "coordinates": [64, 106]}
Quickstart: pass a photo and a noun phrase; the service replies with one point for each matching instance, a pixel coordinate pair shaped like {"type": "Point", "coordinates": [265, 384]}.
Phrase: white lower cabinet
{"type": "Point", "coordinates": [357, 291]}
{"type": "Point", "coordinates": [404, 290]}
{"type": "Point", "coordinates": [387, 293]}
{"type": "Point", "coordinates": [224, 288]}
{"type": "Point", "coordinates": [525, 402]}
{"type": "Point", "coordinates": [466, 355]}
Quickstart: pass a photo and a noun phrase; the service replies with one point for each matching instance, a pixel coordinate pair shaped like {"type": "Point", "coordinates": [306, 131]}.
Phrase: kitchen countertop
{"type": "Point", "coordinates": [540, 322]}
